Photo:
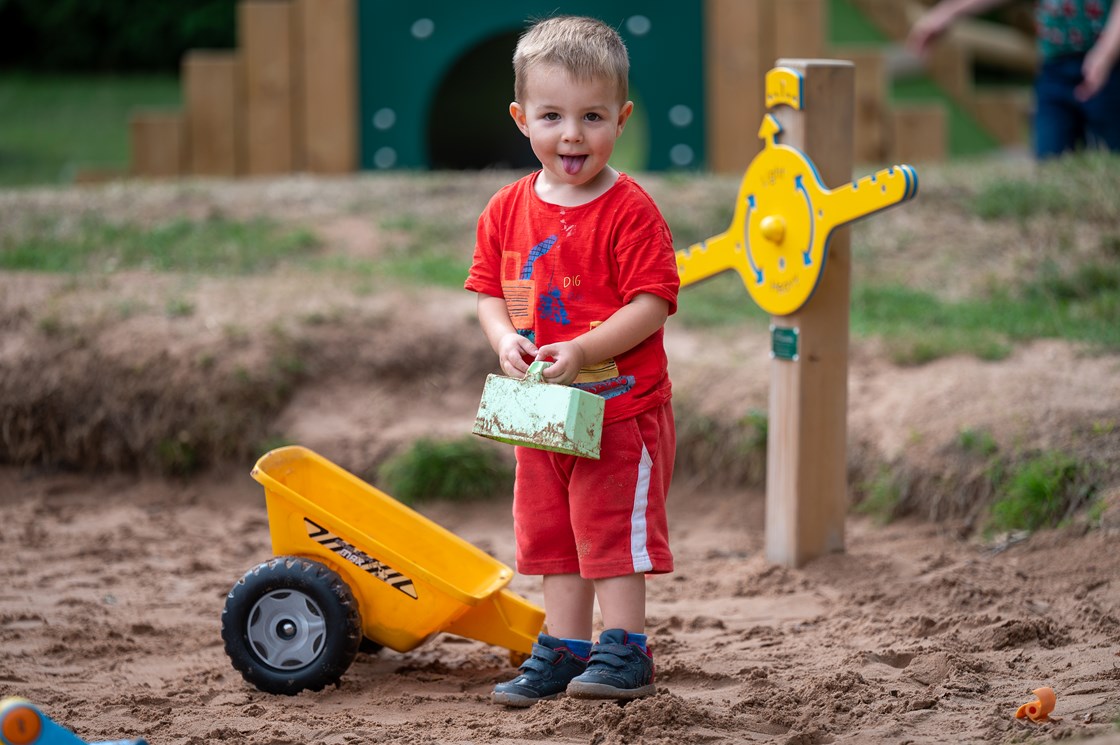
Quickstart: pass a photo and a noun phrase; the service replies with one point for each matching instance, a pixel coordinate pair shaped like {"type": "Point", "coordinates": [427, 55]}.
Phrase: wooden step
{"type": "Point", "coordinates": [158, 144]}
{"type": "Point", "coordinates": [995, 45]}
{"type": "Point", "coordinates": [919, 133]}
{"type": "Point", "coordinates": [1004, 113]}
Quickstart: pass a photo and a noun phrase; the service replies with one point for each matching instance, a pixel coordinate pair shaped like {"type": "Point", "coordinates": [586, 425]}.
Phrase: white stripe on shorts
{"type": "Point", "coordinates": [639, 549]}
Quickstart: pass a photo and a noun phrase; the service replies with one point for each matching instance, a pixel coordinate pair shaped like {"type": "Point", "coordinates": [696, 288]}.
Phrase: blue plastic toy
{"type": "Point", "coordinates": [21, 723]}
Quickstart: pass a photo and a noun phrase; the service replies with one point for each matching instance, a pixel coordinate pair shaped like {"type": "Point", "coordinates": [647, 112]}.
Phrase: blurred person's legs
{"type": "Point", "coordinates": [1102, 115]}
{"type": "Point", "coordinates": [1059, 121]}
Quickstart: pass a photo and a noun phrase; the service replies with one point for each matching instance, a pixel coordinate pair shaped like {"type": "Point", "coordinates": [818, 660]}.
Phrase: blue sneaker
{"type": "Point", "coordinates": [543, 676]}
{"type": "Point", "coordinates": [618, 669]}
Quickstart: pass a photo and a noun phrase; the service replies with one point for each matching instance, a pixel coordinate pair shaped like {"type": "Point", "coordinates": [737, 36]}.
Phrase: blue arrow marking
{"type": "Point", "coordinates": [750, 259]}
{"type": "Point", "coordinates": [807, 254]}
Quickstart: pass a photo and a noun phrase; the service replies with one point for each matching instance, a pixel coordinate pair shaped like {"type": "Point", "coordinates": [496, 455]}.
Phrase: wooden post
{"type": "Point", "coordinates": [740, 49]}
{"type": "Point", "coordinates": [806, 467]}
{"type": "Point", "coordinates": [265, 31]}
{"type": "Point", "coordinates": [211, 93]}
{"type": "Point", "coordinates": [799, 28]}
{"type": "Point", "coordinates": [742, 39]}
{"type": "Point", "coordinates": [870, 103]}
{"type": "Point", "coordinates": [326, 85]}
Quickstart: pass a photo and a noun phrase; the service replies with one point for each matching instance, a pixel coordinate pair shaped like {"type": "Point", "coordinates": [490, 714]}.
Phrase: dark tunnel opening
{"type": "Point", "coordinates": [469, 126]}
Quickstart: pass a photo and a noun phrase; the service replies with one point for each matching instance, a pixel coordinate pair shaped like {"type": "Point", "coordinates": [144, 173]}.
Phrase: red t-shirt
{"type": "Point", "coordinates": [564, 270]}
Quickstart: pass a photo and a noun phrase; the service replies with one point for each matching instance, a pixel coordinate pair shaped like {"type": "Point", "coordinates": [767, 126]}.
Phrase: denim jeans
{"type": "Point", "coordinates": [1063, 123]}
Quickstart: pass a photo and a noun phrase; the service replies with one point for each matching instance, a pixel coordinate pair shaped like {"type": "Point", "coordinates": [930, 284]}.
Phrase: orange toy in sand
{"type": "Point", "coordinates": [1038, 711]}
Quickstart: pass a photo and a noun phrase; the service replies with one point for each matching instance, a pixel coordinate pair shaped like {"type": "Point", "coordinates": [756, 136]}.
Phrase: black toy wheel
{"type": "Point", "coordinates": [291, 624]}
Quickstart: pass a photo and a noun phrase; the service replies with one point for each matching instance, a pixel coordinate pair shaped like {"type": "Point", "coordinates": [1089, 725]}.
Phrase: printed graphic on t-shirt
{"type": "Point", "coordinates": [551, 306]}
{"type": "Point", "coordinates": [519, 301]}
{"type": "Point", "coordinates": [538, 251]}
{"type": "Point", "coordinates": [526, 306]}
{"type": "Point", "coordinates": [608, 388]}
{"type": "Point", "coordinates": [603, 378]}
{"type": "Point", "coordinates": [599, 372]}
{"type": "Point", "coordinates": [518, 288]}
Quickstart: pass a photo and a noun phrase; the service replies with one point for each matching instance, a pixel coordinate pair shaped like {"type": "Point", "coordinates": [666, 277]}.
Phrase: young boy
{"type": "Point", "coordinates": [574, 264]}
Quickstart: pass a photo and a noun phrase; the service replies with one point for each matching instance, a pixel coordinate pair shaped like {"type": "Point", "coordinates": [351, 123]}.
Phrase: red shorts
{"type": "Point", "coordinates": [598, 518]}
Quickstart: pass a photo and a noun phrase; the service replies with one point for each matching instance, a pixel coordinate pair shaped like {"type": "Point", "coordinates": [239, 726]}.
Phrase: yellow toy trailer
{"type": "Point", "coordinates": [354, 566]}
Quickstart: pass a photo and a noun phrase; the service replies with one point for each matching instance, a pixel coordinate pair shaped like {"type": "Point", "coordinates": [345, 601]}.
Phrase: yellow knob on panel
{"type": "Point", "coordinates": [773, 228]}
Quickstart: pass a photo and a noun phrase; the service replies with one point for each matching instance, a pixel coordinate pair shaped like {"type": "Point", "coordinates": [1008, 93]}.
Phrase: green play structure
{"type": "Point", "coordinates": [334, 86]}
{"type": "Point", "coordinates": [430, 99]}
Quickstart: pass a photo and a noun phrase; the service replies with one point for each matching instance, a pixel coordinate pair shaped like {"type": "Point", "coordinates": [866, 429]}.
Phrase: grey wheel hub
{"type": "Point", "coordinates": [286, 629]}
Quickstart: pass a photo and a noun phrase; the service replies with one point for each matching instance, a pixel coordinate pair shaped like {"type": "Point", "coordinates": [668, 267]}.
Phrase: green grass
{"type": "Point", "coordinates": [428, 267]}
{"type": "Point", "coordinates": [1082, 305]}
{"type": "Point", "coordinates": [1021, 200]}
{"type": "Point", "coordinates": [1040, 492]}
{"type": "Point", "coordinates": [457, 470]}
{"type": "Point", "coordinates": [423, 267]}
{"type": "Point", "coordinates": [212, 246]}
{"type": "Point", "coordinates": [1030, 490]}
{"type": "Point", "coordinates": [180, 307]}
{"type": "Point", "coordinates": [881, 496]}
{"type": "Point", "coordinates": [426, 250]}
{"type": "Point", "coordinates": [724, 452]}
{"type": "Point", "coordinates": [177, 456]}
{"type": "Point", "coordinates": [53, 125]}
{"type": "Point", "coordinates": [918, 327]}
{"type": "Point", "coordinates": [1080, 187]}
{"type": "Point", "coordinates": [421, 252]}
{"type": "Point", "coordinates": [719, 301]}
{"type": "Point", "coordinates": [977, 441]}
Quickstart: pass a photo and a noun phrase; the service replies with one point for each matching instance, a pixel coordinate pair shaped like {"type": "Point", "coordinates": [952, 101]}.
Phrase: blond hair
{"type": "Point", "coordinates": [586, 48]}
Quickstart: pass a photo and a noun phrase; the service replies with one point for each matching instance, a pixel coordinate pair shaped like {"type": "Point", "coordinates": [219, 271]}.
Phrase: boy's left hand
{"type": "Point", "coordinates": [567, 359]}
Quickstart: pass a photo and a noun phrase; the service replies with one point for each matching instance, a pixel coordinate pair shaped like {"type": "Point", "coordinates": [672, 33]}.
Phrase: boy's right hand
{"type": "Point", "coordinates": [515, 352]}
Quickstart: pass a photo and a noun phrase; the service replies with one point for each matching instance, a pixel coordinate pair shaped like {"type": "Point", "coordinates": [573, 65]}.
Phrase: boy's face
{"type": "Point", "coordinates": [572, 125]}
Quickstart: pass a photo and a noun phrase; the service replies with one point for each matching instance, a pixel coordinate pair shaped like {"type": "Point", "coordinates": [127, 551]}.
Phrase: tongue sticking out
{"type": "Point", "coordinates": [573, 163]}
